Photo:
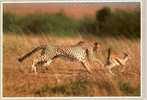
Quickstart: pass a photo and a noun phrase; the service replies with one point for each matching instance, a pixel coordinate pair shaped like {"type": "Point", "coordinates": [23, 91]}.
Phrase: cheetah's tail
{"type": "Point", "coordinates": [31, 52]}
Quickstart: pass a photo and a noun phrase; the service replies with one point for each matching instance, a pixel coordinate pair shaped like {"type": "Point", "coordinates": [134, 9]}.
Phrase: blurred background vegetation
{"type": "Point", "coordinates": [105, 23]}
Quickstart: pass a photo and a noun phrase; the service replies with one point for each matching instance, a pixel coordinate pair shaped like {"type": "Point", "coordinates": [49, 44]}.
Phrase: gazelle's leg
{"type": "Point", "coordinates": [110, 71]}
{"type": "Point", "coordinates": [123, 69]}
{"type": "Point", "coordinates": [109, 67]}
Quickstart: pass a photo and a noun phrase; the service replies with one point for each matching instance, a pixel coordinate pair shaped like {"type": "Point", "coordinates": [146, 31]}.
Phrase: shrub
{"type": "Point", "coordinates": [87, 25]}
{"type": "Point", "coordinates": [123, 23]}
{"type": "Point", "coordinates": [10, 22]}
{"type": "Point", "coordinates": [105, 23]}
{"type": "Point", "coordinates": [39, 23]}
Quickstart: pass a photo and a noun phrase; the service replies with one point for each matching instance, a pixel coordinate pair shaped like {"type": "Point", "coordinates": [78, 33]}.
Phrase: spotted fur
{"type": "Point", "coordinates": [50, 52]}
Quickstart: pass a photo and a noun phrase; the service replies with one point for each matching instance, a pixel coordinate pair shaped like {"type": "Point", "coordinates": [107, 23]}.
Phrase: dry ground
{"type": "Point", "coordinates": [18, 80]}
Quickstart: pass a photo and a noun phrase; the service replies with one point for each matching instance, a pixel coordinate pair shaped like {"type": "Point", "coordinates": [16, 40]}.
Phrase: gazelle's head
{"type": "Point", "coordinates": [125, 54]}
{"type": "Point", "coordinates": [126, 57]}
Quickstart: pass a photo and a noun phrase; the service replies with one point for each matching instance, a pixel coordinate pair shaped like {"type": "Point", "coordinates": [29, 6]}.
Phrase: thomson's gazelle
{"type": "Point", "coordinates": [114, 60]}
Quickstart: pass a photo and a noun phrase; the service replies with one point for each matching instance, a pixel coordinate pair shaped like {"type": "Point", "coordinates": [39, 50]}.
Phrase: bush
{"type": "Point", "coordinates": [87, 25]}
{"type": "Point", "coordinates": [103, 14]}
{"type": "Point", "coordinates": [10, 22]}
{"type": "Point", "coordinates": [128, 90]}
{"type": "Point", "coordinates": [39, 23]}
{"type": "Point", "coordinates": [123, 23]}
{"type": "Point", "coordinates": [106, 23]}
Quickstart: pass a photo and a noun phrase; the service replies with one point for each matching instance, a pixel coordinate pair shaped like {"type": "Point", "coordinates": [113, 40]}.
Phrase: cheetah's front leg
{"type": "Point", "coordinates": [87, 66]}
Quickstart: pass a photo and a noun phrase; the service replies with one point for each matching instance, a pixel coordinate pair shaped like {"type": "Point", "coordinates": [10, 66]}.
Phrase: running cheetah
{"type": "Point", "coordinates": [50, 52]}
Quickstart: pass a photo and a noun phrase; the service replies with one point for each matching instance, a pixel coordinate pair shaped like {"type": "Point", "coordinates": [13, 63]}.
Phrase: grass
{"type": "Point", "coordinates": [19, 81]}
{"type": "Point", "coordinates": [127, 89]}
{"type": "Point", "coordinates": [77, 88]}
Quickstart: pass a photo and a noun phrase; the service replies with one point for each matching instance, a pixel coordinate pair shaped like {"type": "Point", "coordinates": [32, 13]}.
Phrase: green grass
{"type": "Point", "coordinates": [113, 24]}
{"type": "Point", "coordinates": [127, 89]}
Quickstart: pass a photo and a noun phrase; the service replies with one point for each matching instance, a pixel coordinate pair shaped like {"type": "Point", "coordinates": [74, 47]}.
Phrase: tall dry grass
{"type": "Point", "coordinates": [18, 80]}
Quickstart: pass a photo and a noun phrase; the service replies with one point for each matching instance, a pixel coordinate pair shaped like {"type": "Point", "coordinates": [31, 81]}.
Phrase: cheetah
{"type": "Point", "coordinates": [51, 52]}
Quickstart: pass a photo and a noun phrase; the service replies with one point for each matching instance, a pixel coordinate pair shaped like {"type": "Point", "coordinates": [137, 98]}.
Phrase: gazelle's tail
{"type": "Point", "coordinates": [31, 52]}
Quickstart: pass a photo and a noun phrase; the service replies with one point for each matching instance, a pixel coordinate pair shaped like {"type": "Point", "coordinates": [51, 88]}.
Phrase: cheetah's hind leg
{"type": "Point", "coordinates": [34, 66]}
{"type": "Point", "coordinates": [36, 62]}
{"type": "Point", "coordinates": [47, 63]}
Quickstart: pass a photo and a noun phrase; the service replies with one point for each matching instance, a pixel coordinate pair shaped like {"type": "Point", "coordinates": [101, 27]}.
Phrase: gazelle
{"type": "Point", "coordinates": [114, 60]}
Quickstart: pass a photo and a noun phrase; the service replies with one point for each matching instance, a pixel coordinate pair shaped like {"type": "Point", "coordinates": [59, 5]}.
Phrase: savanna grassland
{"type": "Point", "coordinates": [119, 30]}
{"type": "Point", "coordinates": [18, 80]}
